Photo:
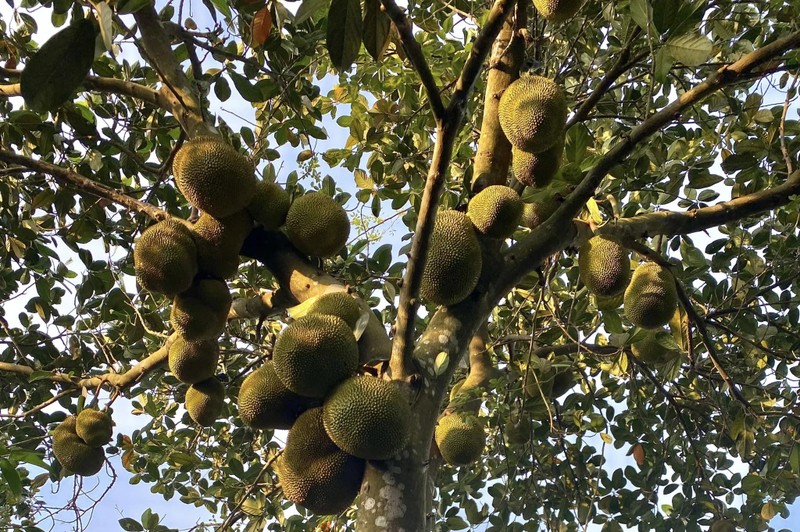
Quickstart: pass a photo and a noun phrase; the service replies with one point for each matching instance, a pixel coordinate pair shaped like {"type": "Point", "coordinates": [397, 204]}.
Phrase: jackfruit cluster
{"type": "Point", "coordinates": [219, 241]}
{"type": "Point", "coordinates": [213, 176]}
{"type": "Point", "coordinates": [532, 113]}
{"type": "Point", "coordinates": [454, 260]}
{"type": "Point", "coordinates": [165, 258]}
{"type": "Point", "coordinates": [604, 266]}
{"type": "Point", "coordinates": [317, 225]}
{"type": "Point", "coordinates": [84, 457]}
{"type": "Point", "coordinates": [269, 205]}
{"type": "Point", "coordinates": [651, 297]}
{"type": "Point", "coordinates": [460, 438]}
{"type": "Point", "coordinates": [537, 170]}
{"type": "Point", "coordinates": [201, 312]}
{"type": "Point", "coordinates": [650, 351]}
{"type": "Point", "coordinates": [204, 401]}
{"type": "Point", "coordinates": [495, 211]}
{"type": "Point", "coordinates": [193, 361]}
{"type": "Point", "coordinates": [265, 403]}
{"type": "Point", "coordinates": [557, 10]}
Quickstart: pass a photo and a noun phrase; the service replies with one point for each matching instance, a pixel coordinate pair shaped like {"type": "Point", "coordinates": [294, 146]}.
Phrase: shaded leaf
{"type": "Point", "coordinates": [11, 476]}
{"type": "Point", "coordinates": [307, 9]}
{"type": "Point", "coordinates": [344, 32]}
{"type": "Point", "coordinates": [691, 50]}
{"type": "Point", "coordinates": [376, 29]}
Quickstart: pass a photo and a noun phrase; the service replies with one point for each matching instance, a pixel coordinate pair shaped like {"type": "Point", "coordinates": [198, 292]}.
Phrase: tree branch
{"type": "Point", "coordinates": [481, 372]}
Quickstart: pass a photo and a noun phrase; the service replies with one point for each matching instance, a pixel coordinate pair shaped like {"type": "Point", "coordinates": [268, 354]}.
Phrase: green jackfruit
{"type": "Point", "coordinates": [265, 403]}
{"type": "Point", "coordinates": [604, 266]}
{"type": "Point", "coordinates": [454, 260]}
{"type": "Point", "coordinates": [193, 361]}
{"type": "Point", "coordinates": [317, 225]}
{"type": "Point", "coordinates": [532, 113]}
{"type": "Point", "coordinates": [219, 242]}
{"type": "Point", "coordinates": [495, 211]}
{"type": "Point", "coordinates": [269, 205]}
{"type": "Point", "coordinates": [205, 400]}
{"type": "Point", "coordinates": [535, 213]}
{"type": "Point", "coordinates": [460, 438]}
{"type": "Point", "coordinates": [165, 258]}
{"type": "Point", "coordinates": [557, 10]}
{"type": "Point", "coordinates": [73, 453]}
{"type": "Point", "coordinates": [315, 353]}
{"type": "Point", "coordinates": [368, 418]}
{"type": "Point", "coordinates": [314, 473]}
{"type": "Point", "coordinates": [201, 312]}
{"type": "Point", "coordinates": [213, 176]}
{"type": "Point", "coordinates": [339, 304]}
{"type": "Point", "coordinates": [651, 296]}
{"type": "Point", "coordinates": [94, 427]}
{"type": "Point", "coordinates": [650, 351]}
{"type": "Point", "coordinates": [537, 170]}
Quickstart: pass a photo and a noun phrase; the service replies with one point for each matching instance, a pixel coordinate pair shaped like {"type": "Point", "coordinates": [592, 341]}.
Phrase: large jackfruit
{"type": "Point", "coordinates": [314, 473]}
{"type": "Point", "coordinates": [213, 176]}
{"type": "Point", "coordinates": [535, 213]}
{"type": "Point", "coordinates": [537, 170]}
{"type": "Point", "coordinates": [460, 438]}
{"type": "Point", "coordinates": [94, 427]}
{"type": "Point", "coordinates": [219, 242]}
{"type": "Point", "coordinates": [604, 266]}
{"type": "Point", "coordinates": [205, 400]}
{"type": "Point", "coordinates": [165, 258]}
{"type": "Point", "coordinates": [651, 296]}
{"type": "Point", "coordinates": [339, 304]}
{"type": "Point", "coordinates": [315, 353]}
{"type": "Point", "coordinates": [269, 205]}
{"type": "Point", "coordinates": [201, 312]}
{"type": "Point", "coordinates": [557, 10]}
{"type": "Point", "coordinates": [193, 361]}
{"type": "Point", "coordinates": [265, 403]}
{"type": "Point", "coordinates": [650, 351]}
{"type": "Point", "coordinates": [317, 225]}
{"type": "Point", "coordinates": [495, 211]}
{"type": "Point", "coordinates": [368, 418]}
{"type": "Point", "coordinates": [454, 260]}
{"type": "Point", "coordinates": [73, 453]}
{"type": "Point", "coordinates": [532, 113]}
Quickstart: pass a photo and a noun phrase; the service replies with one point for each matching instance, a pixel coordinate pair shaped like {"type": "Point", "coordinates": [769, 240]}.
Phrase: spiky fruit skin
{"type": "Point", "coordinates": [454, 260]}
{"type": "Point", "coordinates": [265, 403]}
{"type": "Point", "coordinates": [532, 113]}
{"type": "Point", "coordinates": [650, 351]}
{"type": "Point", "coordinates": [557, 10]}
{"type": "Point", "coordinates": [537, 170]}
{"type": "Point", "coordinates": [604, 266]}
{"type": "Point", "coordinates": [94, 427]}
{"type": "Point", "coordinates": [165, 258]}
{"type": "Point", "coordinates": [213, 176]}
{"type": "Point", "coordinates": [73, 453]}
{"type": "Point", "coordinates": [314, 473]}
{"type": "Point", "coordinates": [269, 205]}
{"type": "Point", "coordinates": [535, 213]}
{"type": "Point", "coordinates": [201, 312]}
{"type": "Point", "coordinates": [193, 361]}
{"type": "Point", "coordinates": [460, 438]}
{"type": "Point", "coordinates": [651, 296]}
{"type": "Point", "coordinates": [317, 225]}
{"type": "Point", "coordinates": [219, 242]}
{"type": "Point", "coordinates": [205, 400]}
{"type": "Point", "coordinates": [495, 211]}
{"type": "Point", "coordinates": [315, 353]}
{"type": "Point", "coordinates": [368, 418]}
{"type": "Point", "coordinates": [338, 304]}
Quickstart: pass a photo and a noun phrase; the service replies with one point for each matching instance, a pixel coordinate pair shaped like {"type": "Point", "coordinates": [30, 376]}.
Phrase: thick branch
{"type": "Point", "coordinates": [103, 84]}
{"type": "Point", "coordinates": [481, 372]}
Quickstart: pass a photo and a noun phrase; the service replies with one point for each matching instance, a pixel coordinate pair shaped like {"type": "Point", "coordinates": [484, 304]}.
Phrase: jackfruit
{"type": "Point", "coordinates": [535, 213]}
{"type": "Point", "coordinates": [532, 113]}
{"type": "Point", "coordinates": [193, 361]}
{"type": "Point", "coordinates": [201, 312]}
{"type": "Point", "coordinates": [722, 525]}
{"type": "Point", "coordinates": [460, 438]}
{"type": "Point", "coordinates": [552, 382]}
{"type": "Point", "coordinates": [315, 353]}
{"type": "Point", "coordinates": [205, 400]}
{"type": "Point", "coordinates": [165, 258]}
{"type": "Point", "coordinates": [604, 266]}
{"type": "Point", "coordinates": [94, 427]}
{"type": "Point", "coordinates": [219, 242]}
{"type": "Point", "coordinates": [313, 472]}
{"type": "Point", "coordinates": [557, 10]}
{"type": "Point", "coordinates": [517, 430]}
{"type": "Point", "coordinates": [269, 205]}
{"type": "Point", "coordinates": [213, 176]}
{"type": "Point", "coordinates": [73, 453]}
{"type": "Point", "coordinates": [650, 351]}
{"type": "Point", "coordinates": [454, 260]}
{"type": "Point", "coordinates": [317, 225]}
{"type": "Point", "coordinates": [651, 296]}
{"type": "Point", "coordinates": [368, 418]}
{"type": "Point", "coordinates": [339, 304]}
{"type": "Point", "coordinates": [265, 403]}
{"type": "Point", "coordinates": [495, 211]}
{"type": "Point", "coordinates": [537, 169]}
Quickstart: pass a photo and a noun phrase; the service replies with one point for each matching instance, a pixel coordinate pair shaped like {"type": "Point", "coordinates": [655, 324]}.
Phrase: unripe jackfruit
{"type": "Point", "coordinates": [535, 213]}
{"type": "Point", "coordinates": [73, 453]}
{"type": "Point", "coordinates": [495, 211]}
{"type": "Point", "coordinates": [604, 266]}
{"type": "Point", "coordinates": [201, 312]}
{"type": "Point", "coordinates": [651, 296]}
{"type": "Point", "coordinates": [265, 403]}
{"type": "Point", "coordinates": [532, 113]}
{"type": "Point", "coordinates": [193, 361]}
{"type": "Point", "coordinates": [557, 10]}
{"type": "Point", "coordinates": [269, 205]}
{"type": "Point", "coordinates": [454, 260]}
{"type": "Point", "coordinates": [460, 438]}
{"type": "Point", "coordinates": [213, 176]}
{"type": "Point", "coordinates": [219, 242]}
{"type": "Point", "coordinates": [205, 400]}
{"type": "Point", "coordinates": [94, 427]}
{"type": "Point", "coordinates": [339, 304]}
{"type": "Point", "coordinates": [165, 258]}
{"type": "Point", "coordinates": [317, 225]}
{"type": "Point", "coordinates": [537, 169]}
{"type": "Point", "coordinates": [650, 351]}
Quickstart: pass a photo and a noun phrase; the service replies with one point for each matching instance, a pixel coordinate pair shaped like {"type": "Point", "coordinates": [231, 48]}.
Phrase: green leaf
{"type": "Point", "coordinates": [456, 523]}
{"type": "Point", "coordinates": [376, 29]}
{"type": "Point", "coordinates": [663, 63]}
{"type": "Point", "coordinates": [344, 33]}
{"type": "Point", "coordinates": [246, 90]}
{"type": "Point", "coordinates": [691, 50]}
{"type": "Point", "coordinates": [59, 67]}
{"type": "Point", "coordinates": [307, 10]}
{"type": "Point", "coordinates": [126, 7]}
{"type": "Point", "coordinates": [641, 13]}
{"type": "Point", "coordinates": [223, 7]}
{"type": "Point", "coordinates": [105, 14]}
{"type": "Point", "coordinates": [131, 525]}
{"type": "Point", "coordinates": [11, 476]}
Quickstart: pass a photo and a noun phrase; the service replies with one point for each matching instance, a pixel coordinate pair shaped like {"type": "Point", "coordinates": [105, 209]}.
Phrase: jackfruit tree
{"type": "Point", "coordinates": [376, 265]}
